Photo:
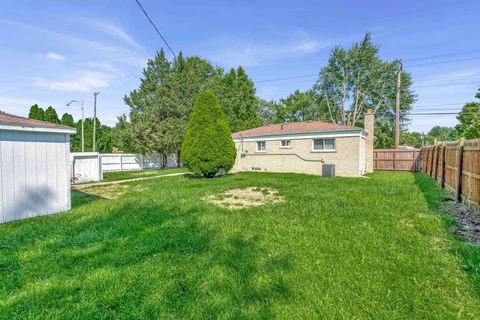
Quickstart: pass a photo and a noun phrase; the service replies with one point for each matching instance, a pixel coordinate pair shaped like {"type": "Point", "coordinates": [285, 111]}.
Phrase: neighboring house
{"type": "Point", "coordinates": [305, 147]}
{"type": "Point", "coordinates": [34, 167]}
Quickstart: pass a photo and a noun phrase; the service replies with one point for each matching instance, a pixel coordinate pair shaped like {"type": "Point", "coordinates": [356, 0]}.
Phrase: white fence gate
{"type": "Point", "coordinates": [86, 166]}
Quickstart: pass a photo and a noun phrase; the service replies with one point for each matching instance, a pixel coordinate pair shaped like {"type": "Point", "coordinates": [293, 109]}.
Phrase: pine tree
{"type": "Point", "coordinates": [51, 115]}
{"type": "Point", "coordinates": [67, 120]}
{"type": "Point", "coordinates": [36, 113]}
{"type": "Point", "coordinates": [238, 100]}
{"type": "Point", "coordinates": [208, 147]}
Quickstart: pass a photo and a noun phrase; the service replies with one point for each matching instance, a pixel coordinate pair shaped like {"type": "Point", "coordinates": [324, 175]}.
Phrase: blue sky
{"type": "Point", "coordinates": [54, 51]}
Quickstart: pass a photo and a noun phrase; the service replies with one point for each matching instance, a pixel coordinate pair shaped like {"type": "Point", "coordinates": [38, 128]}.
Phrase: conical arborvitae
{"type": "Point", "coordinates": [208, 148]}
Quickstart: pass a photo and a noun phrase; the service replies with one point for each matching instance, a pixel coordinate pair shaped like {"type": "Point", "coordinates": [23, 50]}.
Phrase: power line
{"type": "Point", "coordinates": [439, 104]}
{"type": "Point", "coordinates": [288, 78]}
{"type": "Point", "coordinates": [417, 65]}
{"type": "Point", "coordinates": [447, 79]}
{"type": "Point", "coordinates": [443, 62]}
{"type": "Point", "coordinates": [153, 24]}
{"type": "Point", "coordinates": [445, 55]}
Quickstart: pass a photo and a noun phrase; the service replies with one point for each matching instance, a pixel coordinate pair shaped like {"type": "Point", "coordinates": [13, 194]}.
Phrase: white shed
{"type": "Point", "coordinates": [34, 167]}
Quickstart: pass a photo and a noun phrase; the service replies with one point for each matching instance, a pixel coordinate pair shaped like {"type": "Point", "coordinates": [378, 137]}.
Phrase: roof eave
{"type": "Point", "coordinates": [333, 132]}
{"type": "Point", "coordinates": [13, 127]}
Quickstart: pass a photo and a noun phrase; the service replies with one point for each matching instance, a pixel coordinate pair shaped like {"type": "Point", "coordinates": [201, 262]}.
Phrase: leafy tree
{"type": "Point", "coordinates": [103, 137]}
{"type": "Point", "coordinates": [160, 107]}
{"type": "Point", "coordinates": [122, 134]}
{"type": "Point", "coordinates": [67, 120]}
{"type": "Point", "coordinates": [104, 140]}
{"type": "Point", "coordinates": [237, 97]}
{"type": "Point", "coordinates": [302, 106]}
{"type": "Point", "coordinates": [267, 111]}
{"type": "Point", "coordinates": [411, 139]}
{"type": "Point", "coordinates": [469, 118]}
{"type": "Point", "coordinates": [439, 133]}
{"type": "Point", "coordinates": [357, 79]}
{"type": "Point", "coordinates": [51, 115]}
{"type": "Point", "coordinates": [36, 113]}
{"type": "Point", "coordinates": [208, 147]}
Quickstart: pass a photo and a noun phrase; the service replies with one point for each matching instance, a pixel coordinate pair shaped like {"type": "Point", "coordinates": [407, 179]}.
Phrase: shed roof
{"type": "Point", "coordinates": [294, 127]}
{"type": "Point", "coordinates": [13, 122]}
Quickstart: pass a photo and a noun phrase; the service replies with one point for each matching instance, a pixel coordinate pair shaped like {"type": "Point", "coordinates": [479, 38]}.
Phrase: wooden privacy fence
{"type": "Point", "coordinates": [396, 160]}
{"type": "Point", "coordinates": [456, 166]}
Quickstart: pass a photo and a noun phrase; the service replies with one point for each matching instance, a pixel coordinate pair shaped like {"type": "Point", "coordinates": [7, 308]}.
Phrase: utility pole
{"type": "Point", "coordinates": [95, 94]}
{"type": "Point", "coordinates": [397, 109]}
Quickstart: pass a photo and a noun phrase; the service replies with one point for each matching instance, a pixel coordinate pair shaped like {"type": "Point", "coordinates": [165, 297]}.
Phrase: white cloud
{"type": "Point", "coordinates": [114, 30]}
{"type": "Point", "coordinates": [84, 81]}
{"type": "Point", "coordinates": [54, 56]}
{"type": "Point", "coordinates": [257, 53]}
{"type": "Point", "coordinates": [106, 67]}
{"type": "Point", "coordinates": [65, 37]}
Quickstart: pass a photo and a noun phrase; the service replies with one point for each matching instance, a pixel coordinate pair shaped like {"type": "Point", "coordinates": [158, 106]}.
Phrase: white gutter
{"type": "Point", "coordinates": [12, 127]}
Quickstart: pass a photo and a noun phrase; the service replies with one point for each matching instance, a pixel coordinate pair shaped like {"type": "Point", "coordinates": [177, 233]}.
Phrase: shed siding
{"type": "Point", "coordinates": [34, 174]}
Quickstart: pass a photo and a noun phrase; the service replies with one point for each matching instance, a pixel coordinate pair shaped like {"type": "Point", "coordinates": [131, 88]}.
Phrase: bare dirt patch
{"type": "Point", "coordinates": [243, 198]}
{"type": "Point", "coordinates": [113, 191]}
{"type": "Point", "coordinates": [467, 219]}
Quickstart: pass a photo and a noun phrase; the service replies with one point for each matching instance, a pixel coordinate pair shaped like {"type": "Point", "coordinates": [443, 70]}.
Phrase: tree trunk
{"type": "Point", "coordinates": [179, 164]}
{"type": "Point", "coordinates": [164, 161]}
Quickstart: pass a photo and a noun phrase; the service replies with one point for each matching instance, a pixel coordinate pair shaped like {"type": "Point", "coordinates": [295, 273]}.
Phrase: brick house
{"type": "Point", "coordinates": [305, 147]}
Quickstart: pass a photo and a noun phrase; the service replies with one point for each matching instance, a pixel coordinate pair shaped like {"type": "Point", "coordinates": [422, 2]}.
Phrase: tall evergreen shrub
{"type": "Point", "coordinates": [208, 148]}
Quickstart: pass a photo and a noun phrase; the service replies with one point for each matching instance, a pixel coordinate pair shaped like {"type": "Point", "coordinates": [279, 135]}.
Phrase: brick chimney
{"type": "Point", "coordinates": [369, 126]}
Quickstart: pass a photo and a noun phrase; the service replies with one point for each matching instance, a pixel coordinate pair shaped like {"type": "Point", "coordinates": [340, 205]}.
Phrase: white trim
{"type": "Point", "coordinates": [298, 136]}
{"type": "Point", "coordinates": [323, 151]}
{"type": "Point", "coordinates": [84, 154]}
{"type": "Point", "coordinates": [37, 129]}
{"type": "Point", "coordinates": [256, 146]}
{"type": "Point", "coordinates": [312, 149]}
{"type": "Point", "coordinates": [289, 146]}
{"type": "Point", "coordinates": [359, 156]}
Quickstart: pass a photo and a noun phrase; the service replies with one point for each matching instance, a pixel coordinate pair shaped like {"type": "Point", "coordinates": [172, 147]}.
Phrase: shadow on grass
{"type": "Point", "coordinates": [80, 198]}
{"type": "Point", "coordinates": [136, 259]}
{"type": "Point", "coordinates": [468, 253]}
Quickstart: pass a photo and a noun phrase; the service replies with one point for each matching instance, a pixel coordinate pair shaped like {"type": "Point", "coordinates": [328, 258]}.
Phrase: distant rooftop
{"type": "Point", "coordinates": [294, 127]}
{"type": "Point", "coordinates": [7, 119]}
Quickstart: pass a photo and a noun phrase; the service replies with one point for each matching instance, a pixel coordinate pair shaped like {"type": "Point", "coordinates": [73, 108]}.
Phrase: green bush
{"type": "Point", "coordinates": [208, 148]}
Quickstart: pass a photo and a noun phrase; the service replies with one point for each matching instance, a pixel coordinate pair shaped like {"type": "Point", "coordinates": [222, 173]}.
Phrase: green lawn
{"type": "Point", "coordinates": [123, 175]}
{"type": "Point", "coordinates": [335, 248]}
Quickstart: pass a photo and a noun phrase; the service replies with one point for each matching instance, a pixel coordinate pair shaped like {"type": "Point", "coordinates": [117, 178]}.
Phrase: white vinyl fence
{"type": "Point", "coordinates": [130, 161]}
{"type": "Point", "coordinates": [89, 166]}
{"type": "Point", "coordinates": [86, 166]}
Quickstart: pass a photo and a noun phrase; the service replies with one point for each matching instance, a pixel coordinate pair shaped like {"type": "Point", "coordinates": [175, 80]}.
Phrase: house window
{"type": "Point", "coordinates": [261, 146]}
{"type": "Point", "coordinates": [285, 144]}
{"type": "Point", "coordinates": [323, 145]}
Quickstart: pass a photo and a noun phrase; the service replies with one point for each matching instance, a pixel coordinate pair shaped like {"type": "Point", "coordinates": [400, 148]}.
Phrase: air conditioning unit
{"type": "Point", "coordinates": [328, 170]}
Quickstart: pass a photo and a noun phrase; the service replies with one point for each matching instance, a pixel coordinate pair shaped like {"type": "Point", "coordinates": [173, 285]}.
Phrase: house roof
{"type": "Point", "coordinates": [294, 127]}
{"type": "Point", "coordinates": [13, 122]}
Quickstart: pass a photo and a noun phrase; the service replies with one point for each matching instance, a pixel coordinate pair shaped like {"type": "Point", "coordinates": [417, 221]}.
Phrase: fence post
{"type": "Point", "coordinates": [460, 169]}
{"type": "Point", "coordinates": [436, 163]}
{"type": "Point", "coordinates": [426, 159]}
{"type": "Point", "coordinates": [121, 163]}
{"type": "Point", "coordinates": [394, 157]}
{"type": "Point", "coordinates": [444, 150]}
